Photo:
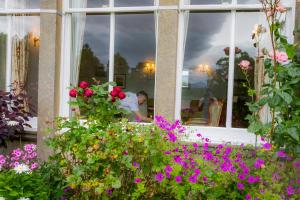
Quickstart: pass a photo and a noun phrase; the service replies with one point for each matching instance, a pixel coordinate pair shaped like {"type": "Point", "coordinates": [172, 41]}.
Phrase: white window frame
{"type": "Point", "coordinates": [9, 13]}
{"type": "Point", "coordinates": [228, 133]}
{"type": "Point", "coordinates": [66, 42]}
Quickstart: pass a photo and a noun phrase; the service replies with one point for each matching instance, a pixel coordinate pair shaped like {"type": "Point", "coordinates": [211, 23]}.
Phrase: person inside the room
{"type": "Point", "coordinates": [132, 102]}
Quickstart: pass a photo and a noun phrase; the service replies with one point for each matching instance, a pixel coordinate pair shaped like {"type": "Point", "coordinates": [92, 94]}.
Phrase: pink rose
{"type": "Point", "coordinates": [280, 57]}
{"type": "Point", "coordinates": [83, 85]}
{"type": "Point", "coordinates": [88, 93]}
{"type": "Point", "coordinates": [244, 64]}
{"type": "Point", "coordinates": [280, 8]}
{"type": "Point", "coordinates": [73, 93]}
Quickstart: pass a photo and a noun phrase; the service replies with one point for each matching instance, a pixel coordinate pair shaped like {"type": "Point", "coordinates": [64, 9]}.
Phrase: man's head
{"type": "Point", "coordinates": [142, 97]}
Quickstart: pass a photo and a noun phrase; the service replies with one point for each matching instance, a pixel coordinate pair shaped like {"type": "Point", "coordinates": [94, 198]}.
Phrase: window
{"type": "Point", "coordinates": [207, 2]}
{"type": "Point", "coordinates": [3, 41]}
{"type": "Point", "coordinates": [24, 4]}
{"type": "Point", "coordinates": [110, 45]}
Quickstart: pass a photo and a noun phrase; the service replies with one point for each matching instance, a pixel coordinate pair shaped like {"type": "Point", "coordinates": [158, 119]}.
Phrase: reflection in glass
{"type": "Point", "coordinates": [257, 1]}
{"type": "Point", "coordinates": [2, 4]}
{"type": "Point", "coordinates": [125, 3]}
{"type": "Point", "coordinates": [24, 4]}
{"type": "Point", "coordinates": [94, 52]}
{"type": "Point", "coordinates": [89, 3]}
{"type": "Point", "coordinates": [3, 38]}
{"type": "Point", "coordinates": [25, 56]}
{"type": "Point", "coordinates": [135, 49]}
{"type": "Point", "coordinates": [203, 2]}
{"type": "Point", "coordinates": [205, 69]}
{"type": "Point", "coordinates": [247, 75]}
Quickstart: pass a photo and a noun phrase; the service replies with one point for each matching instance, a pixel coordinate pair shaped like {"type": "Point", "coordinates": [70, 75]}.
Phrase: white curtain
{"type": "Point", "coordinates": [78, 26]}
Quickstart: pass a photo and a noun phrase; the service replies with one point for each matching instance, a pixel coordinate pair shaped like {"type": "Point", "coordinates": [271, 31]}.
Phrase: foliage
{"type": "Point", "coordinates": [20, 176]}
{"type": "Point", "coordinates": [13, 115]}
{"type": "Point", "coordinates": [280, 90]}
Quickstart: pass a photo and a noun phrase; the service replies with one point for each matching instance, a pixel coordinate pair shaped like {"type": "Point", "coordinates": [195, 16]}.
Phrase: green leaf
{"type": "Point", "coordinates": [293, 132]}
{"type": "Point", "coordinates": [286, 97]}
{"type": "Point", "coordinates": [116, 184]}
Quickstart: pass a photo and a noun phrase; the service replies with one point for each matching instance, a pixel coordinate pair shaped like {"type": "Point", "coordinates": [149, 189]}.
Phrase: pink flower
{"type": "Point", "coordinates": [178, 179]}
{"type": "Point", "coordinates": [34, 166]}
{"type": "Point", "coordinates": [280, 57]}
{"type": "Point", "coordinates": [267, 146]}
{"type": "Point", "coordinates": [297, 164]}
{"type": "Point", "coordinates": [290, 190]}
{"type": "Point", "coordinates": [168, 169]}
{"type": "Point", "coordinates": [281, 154]}
{"type": "Point", "coordinates": [172, 137]}
{"type": "Point", "coordinates": [248, 197]}
{"type": "Point", "coordinates": [280, 8]}
{"type": "Point", "coordinates": [193, 179]}
{"type": "Point", "coordinates": [17, 152]}
{"type": "Point", "coordinates": [159, 177]}
{"type": "Point", "coordinates": [244, 64]}
{"type": "Point", "coordinates": [259, 163]}
{"type": "Point", "coordinates": [240, 186]}
{"type": "Point", "coordinates": [138, 180]}
{"type": "Point", "coordinates": [73, 93]}
{"type": "Point", "coordinates": [88, 93]}
{"type": "Point", "coordinates": [204, 178]}
{"type": "Point", "coordinates": [197, 172]}
{"type": "Point", "coordinates": [83, 84]}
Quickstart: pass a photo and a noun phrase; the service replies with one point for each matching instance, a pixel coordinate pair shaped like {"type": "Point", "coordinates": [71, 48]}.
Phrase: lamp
{"type": "Point", "coordinates": [149, 67]}
{"type": "Point", "coordinates": [36, 39]}
{"type": "Point", "coordinates": [204, 69]}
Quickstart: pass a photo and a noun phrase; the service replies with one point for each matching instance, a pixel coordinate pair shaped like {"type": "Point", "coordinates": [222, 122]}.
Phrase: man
{"type": "Point", "coordinates": [131, 103]}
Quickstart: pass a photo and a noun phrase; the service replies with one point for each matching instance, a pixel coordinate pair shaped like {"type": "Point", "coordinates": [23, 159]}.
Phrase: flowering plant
{"type": "Point", "coordinates": [96, 102]}
{"type": "Point", "coordinates": [19, 176]}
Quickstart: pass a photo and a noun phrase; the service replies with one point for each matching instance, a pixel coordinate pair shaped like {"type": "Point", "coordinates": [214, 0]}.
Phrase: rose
{"type": "Point", "coordinates": [280, 57]}
{"type": "Point", "coordinates": [73, 93]}
{"type": "Point", "coordinates": [280, 8]}
{"type": "Point", "coordinates": [117, 89]}
{"type": "Point", "coordinates": [244, 64]}
{"type": "Point", "coordinates": [122, 95]}
{"type": "Point", "coordinates": [114, 93]}
{"type": "Point", "coordinates": [83, 85]}
{"type": "Point", "coordinates": [88, 93]}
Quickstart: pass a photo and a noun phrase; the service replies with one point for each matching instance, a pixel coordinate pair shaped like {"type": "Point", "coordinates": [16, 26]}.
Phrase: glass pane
{"type": "Point", "coordinates": [258, 2]}
{"type": "Point", "coordinates": [246, 55]}
{"type": "Point", "coordinates": [135, 57]}
{"type": "Point", "coordinates": [125, 3]}
{"type": "Point", "coordinates": [203, 2]}
{"type": "Point", "coordinates": [92, 46]}
{"type": "Point", "coordinates": [205, 69]}
{"type": "Point", "coordinates": [23, 4]}
{"type": "Point", "coordinates": [3, 36]}
{"type": "Point", "coordinates": [89, 3]}
{"type": "Point", "coordinates": [2, 4]}
{"type": "Point", "coordinates": [25, 56]}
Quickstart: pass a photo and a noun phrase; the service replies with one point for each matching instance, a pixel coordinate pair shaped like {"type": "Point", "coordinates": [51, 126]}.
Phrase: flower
{"type": "Point", "coordinates": [290, 190]}
{"type": "Point", "coordinates": [122, 95]}
{"type": "Point", "coordinates": [172, 137]}
{"type": "Point", "coordinates": [24, 198]}
{"type": "Point", "coordinates": [204, 178]}
{"type": "Point", "coordinates": [281, 154]}
{"type": "Point", "coordinates": [193, 178]}
{"type": "Point", "coordinates": [21, 168]}
{"type": "Point", "coordinates": [29, 148]}
{"type": "Point", "coordinates": [178, 179]}
{"type": "Point", "coordinates": [253, 179]}
{"type": "Point", "coordinates": [136, 164]}
{"type": "Point", "coordinates": [73, 93]}
{"type": "Point", "coordinates": [88, 93]}
{"type": "Point", "coordinates": [197, 172]}
{"type": "Point", "coordinates": [297, 164]}
{"type": "Point", "coordinates": [248, 197]}
{"type": "Point", "coordinates": [83, 85]}
{"type": "Point", "coordinates": [259, 163]}
{"type": "Point", "coordinates": [138, 180]}
{"type": "Point", "coordinates": [168, 169]}
{"type": "Point", "coordinates": [117, 89]}
{"type": "Point", "coordinates": [159, 177]}
{"type": "Point", "coordinates": [279, 56]}
{"type": "Point", "coordinates": [244, 64]}
{"type": "Point", "coordinates": [113, 93]}
{"type": "Point", "coordinates": [34, 166]}
{"type": "Point", "coordinates": [177, 159]}
{"type": "Point", "coordinates": [267, 146]}
{"type": "Point", "coordinates": [280, 8]}
{"type": "Point", "coordinates": [240, 186]}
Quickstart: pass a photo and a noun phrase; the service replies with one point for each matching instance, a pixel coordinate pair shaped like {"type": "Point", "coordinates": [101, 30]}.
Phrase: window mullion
{"type": "Point", "coordinates": [9, 53]}
{"type": "Point", "coordinates": [112, 47]}
{"type": "Point", "coordinates": [231, 72]}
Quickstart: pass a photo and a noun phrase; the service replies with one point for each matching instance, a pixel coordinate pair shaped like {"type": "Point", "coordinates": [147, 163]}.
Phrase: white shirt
{"type": "Point", "coordinates": [130, 103]}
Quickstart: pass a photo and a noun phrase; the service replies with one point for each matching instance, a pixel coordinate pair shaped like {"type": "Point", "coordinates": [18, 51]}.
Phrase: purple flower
{"type": "Point", "coordinates": [109, 191]}
{"type": "Point", "coordinates": [253, 179]}
{"type": "Point", "coordinates": [240, 186]}
{"type": "Point", "coordinates": [136, 164]}
{"type": "Point", "coordinates": [267, 146]}
{"type": "Point", "coordinates": [290, 190]}
{"type": "Point", "coordinates": [177, 159]}
{"type": "Point", "coordinates": [241, 177]}
{"type": "Point", "coordinates": [204, 178]}
{"type": "Point", "coordinates": [167, 152]}
{"type": "Point", "coordinates": [248, 197]}
{"type": "Point", "coordinates": [193, 179]}
{"type": "Point", "coordinates": [275, 177]}
{"type": "Point", "coordinates": [159, 177]}
{"type": "Point", "coordinates": [281, 154]}
{"type": "Point", "coordinates": [168, 169]}
{"type": "Point", "coordinates": [197, 172]}
{"type": "Point", "coordinates": [178, 179]}
{"type": "Point", "coordinates": [172, 137]}
{"type": "Point", "coordinates": [297, 164]}
{"type": "Point", "coordinates": [199, 135]}
{"type": "Point", "coordinates": [259, 163]}
{"type": "Point", "coordinates": [63, 198]}
{"type": "Point", "coordinates": [137, 180]}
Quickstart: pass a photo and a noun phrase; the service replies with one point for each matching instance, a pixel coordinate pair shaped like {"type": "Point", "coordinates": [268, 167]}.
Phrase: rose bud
{"type": "Point", "coordinates": [113, 99]}
{"type": "Point", "coordinates": [122, 95]}
{"type": "Point", "coordinates": [118, 89]}
{"type": "Point", "coordinates": [88, 92]}
{"type": "Point", "coordinates": [83, 84]}
{"type": "Point", "coordinates": [73, 93]}
{"type": "Point", "coordinates": [114, 93]}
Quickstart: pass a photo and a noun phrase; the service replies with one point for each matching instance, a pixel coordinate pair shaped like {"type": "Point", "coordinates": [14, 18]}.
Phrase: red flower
{"type": "Point", "coordinates": [122, 95]}
{"type": "Point", "coordinates": [83, 84]}
{"type": "Point", "coordinates": [114, 93]}
{"type": "Point", "coordinates": [118, 89]}
{"type": "Point", "coordinates": [73, 93]}
{"type": "Point", "coordinates": [113, 99]}
{"type": "Point", "coordinates": [88, 92]}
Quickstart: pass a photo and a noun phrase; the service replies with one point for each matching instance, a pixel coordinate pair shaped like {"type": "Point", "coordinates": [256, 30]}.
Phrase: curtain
{"type": "Point", "coordinates": [78, 26]}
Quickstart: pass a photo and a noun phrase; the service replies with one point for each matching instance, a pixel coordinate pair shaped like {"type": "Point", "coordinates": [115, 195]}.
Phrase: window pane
{"type": "Point", "coordinates": [245, 22]}
{"type": "Point", "coordinates": [125, 3]}
{"type": "Point", "coordinates": [92, 46]}
{"type": "Point", "coordinates": [205, 69]}
{"type": "Point", "coordinates": [3, 36]}
{"type": "Point", "coordinates": [203, 2]}
{"type": "Point", "coordinates": [2, 4]}
{"type": "Point", "coordinates": [25, 56]}
{"type": "Point", "coordinates": [89, 3]}
{"type": "Point", "coordinates": [135, 56]}
{"type": "Point", "coordinates": [257, 1]}
{"type": "Point", "coordinates": [22, 4]}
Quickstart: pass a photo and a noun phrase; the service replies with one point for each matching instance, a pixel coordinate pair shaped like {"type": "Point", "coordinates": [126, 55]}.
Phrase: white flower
{"type": "Point", "coordinates": [24, 198]}
{"type": "Point", "coordinates": [2, 198]}
{"type": "Point", "coordinates": [22, 168]}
